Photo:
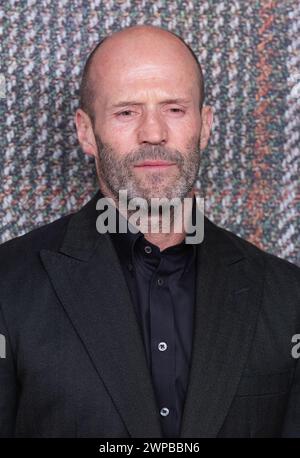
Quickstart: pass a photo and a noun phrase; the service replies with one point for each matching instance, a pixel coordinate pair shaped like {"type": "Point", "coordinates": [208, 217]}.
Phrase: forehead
{"type": "Point", "coordinates": [143, 66]}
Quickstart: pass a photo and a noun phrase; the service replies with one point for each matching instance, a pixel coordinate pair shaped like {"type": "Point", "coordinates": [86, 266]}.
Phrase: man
{"type": "Point", "coordinates": [140, 334]}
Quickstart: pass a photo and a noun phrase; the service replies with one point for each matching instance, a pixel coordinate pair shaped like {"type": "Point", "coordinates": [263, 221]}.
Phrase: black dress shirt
{"type": "Point", "coordinates": [162, 288]}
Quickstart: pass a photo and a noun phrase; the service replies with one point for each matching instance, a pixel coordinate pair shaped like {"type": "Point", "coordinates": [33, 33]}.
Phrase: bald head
{"type": "Point", "coordinates": [127, 48]}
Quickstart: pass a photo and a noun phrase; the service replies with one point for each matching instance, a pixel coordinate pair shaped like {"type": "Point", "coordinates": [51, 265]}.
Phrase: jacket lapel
{"type": "Point", "coordinates": [228, 298]}
{"type": "Point", "coordinates": [91, 287]}
{"type": "Point", "coordinates": [89, 282]}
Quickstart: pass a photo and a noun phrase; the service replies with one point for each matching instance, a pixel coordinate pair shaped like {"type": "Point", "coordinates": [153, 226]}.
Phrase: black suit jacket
{"type": "Point", "coordinates": [75, 364]}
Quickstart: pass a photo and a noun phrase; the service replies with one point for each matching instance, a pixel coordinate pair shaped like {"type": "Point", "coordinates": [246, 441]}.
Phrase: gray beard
{"type": "Point", "coordinates": [117, 172]}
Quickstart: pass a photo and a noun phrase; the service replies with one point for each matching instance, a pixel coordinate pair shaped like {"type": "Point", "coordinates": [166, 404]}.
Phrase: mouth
{"type": "Point", "coordinates": [154, 165]}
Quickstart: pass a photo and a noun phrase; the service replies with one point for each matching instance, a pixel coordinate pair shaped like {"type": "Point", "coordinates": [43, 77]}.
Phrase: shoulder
{"type": "Point", "coordinates": [276, 268]}
{"type": "Point", "coordinates": [24, 250]}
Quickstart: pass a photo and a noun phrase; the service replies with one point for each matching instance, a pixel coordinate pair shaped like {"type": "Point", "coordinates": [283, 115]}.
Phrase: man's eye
{"type": "Point", "coordinates": [125, 113]}
{"type": "Point", "coordinates": [177, 110]}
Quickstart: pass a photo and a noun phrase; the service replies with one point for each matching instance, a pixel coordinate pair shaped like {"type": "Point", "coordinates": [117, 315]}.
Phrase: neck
{"type": "Point", "coordinates": [160, 238]}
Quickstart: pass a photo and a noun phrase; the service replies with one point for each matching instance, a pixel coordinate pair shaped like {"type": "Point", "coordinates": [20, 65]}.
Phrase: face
{"type": "Point", "coordinates": [148, 130]}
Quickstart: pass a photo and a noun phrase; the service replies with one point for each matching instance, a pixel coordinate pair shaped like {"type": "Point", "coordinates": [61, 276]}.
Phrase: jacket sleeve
{"type": "Point", "coordinates": [8, 383]}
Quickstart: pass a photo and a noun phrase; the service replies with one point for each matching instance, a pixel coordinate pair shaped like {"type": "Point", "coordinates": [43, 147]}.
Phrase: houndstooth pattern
{"type": "Point", "coordinates": [250, 55]}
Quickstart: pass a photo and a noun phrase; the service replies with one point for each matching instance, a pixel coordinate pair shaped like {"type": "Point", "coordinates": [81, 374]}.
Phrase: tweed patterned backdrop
{"type": "Point", "coordinates": [250, 52]}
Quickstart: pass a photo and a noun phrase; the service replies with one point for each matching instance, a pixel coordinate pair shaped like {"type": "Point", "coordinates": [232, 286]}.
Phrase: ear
{"type": "Point", "coordinates": [85, 132]}
{"type": "Point", "coordinates": [206, 124]}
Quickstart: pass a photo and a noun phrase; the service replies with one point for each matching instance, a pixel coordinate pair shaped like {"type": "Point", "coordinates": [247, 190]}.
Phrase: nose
{"type": "Point", "coordinates": [152, 129]}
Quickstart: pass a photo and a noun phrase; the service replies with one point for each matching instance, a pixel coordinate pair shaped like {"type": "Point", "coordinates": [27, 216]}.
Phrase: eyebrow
{"type": "Point", "coordinates": [125, 103]}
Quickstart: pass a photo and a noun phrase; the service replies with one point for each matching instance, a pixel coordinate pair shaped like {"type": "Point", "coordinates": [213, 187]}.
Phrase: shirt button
{"type": "Point", "coordinates": [148, 249]}
{"type": "Point", "coordinates": [160, 282]}
{"type": "Point", "coordinates": [162, 346]}
{"type": "Point", "coordinates": [164, 411]}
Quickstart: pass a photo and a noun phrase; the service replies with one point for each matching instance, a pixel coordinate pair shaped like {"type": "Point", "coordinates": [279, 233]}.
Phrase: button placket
{"type": "Point", "coordinates": [163, 343]}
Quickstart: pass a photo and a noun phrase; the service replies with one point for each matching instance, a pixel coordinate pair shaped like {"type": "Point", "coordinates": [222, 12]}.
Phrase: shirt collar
{"type": "Point", "coordinates": [125, 243]}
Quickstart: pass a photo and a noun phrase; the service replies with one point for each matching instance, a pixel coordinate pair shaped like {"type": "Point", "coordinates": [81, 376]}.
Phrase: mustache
{"type": "Point", "coordinates": [153, 152]}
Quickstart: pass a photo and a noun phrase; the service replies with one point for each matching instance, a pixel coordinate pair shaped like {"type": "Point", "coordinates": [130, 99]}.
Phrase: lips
{"type": "Point", "coordinates": [155, 164]}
